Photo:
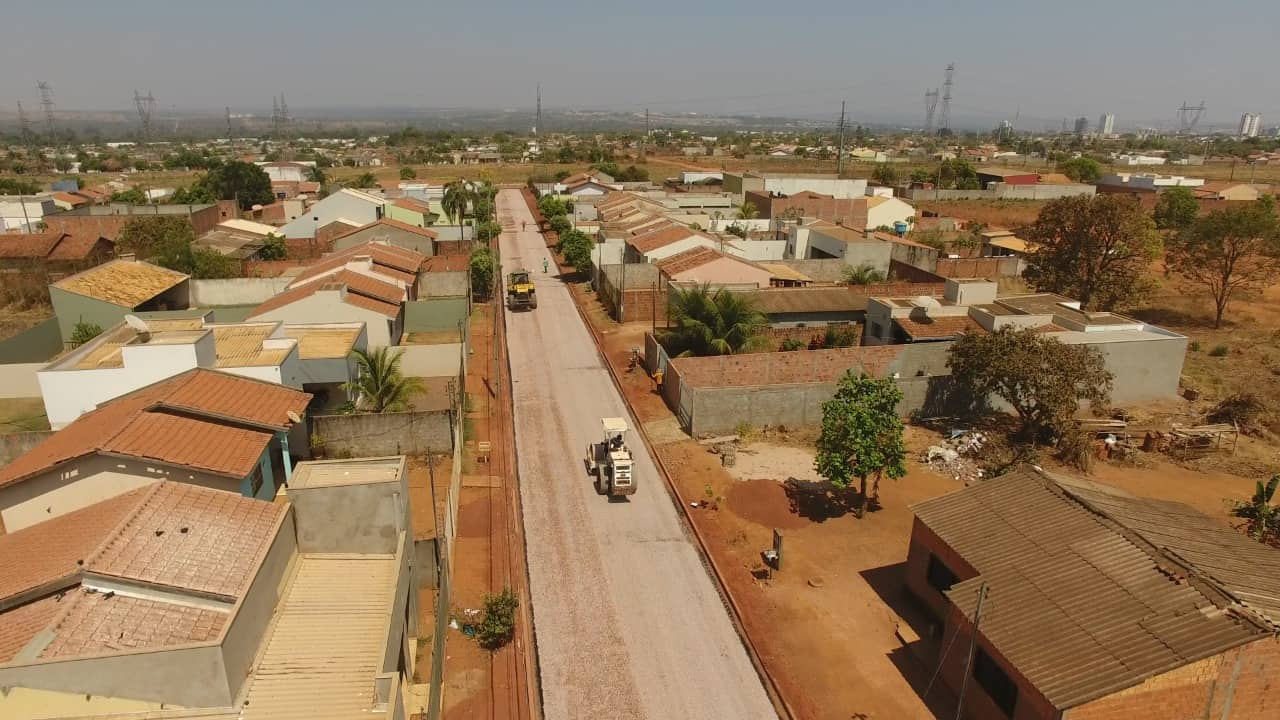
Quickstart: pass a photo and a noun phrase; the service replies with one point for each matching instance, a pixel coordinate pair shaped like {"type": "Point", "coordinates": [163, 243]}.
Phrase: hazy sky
{"type": "Point", "coordinates": [1048, 60]}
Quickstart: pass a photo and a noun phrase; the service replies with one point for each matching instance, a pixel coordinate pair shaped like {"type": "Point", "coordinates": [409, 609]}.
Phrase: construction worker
{"type": "Point", "coordinates": [544, 266]}
{"type": "Point", "coordinates": [657, 378]}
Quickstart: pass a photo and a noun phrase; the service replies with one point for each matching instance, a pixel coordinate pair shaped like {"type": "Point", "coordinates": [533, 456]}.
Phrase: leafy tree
{"type": "Point", "coordinates": [1042, 379]}
{"type": "Point", "coordinates": [364, 181]}
{"type": "Point", "coordinates": [921, 176]}
{"type": "Point", "coordinates": [862, 275]}
{"type": "Point", "coordinates": [408, 173]}
{"type": "Point", "coordinates": [1082, 170]}
{"type": "Point", "coordinates": [197, 194]}
{"type": "Point", "coordinates": [498, 623]}
{"type": "Point", "coordinates": [83, 332]}
{"type": "Point", "coordinates": [885, 174]}
{"type": "Point", "coordinates": [609, 168]}
{"type": "Point", "coordinates": [737, 230]}
{"type": "Point", "coordinates": [62, 164]}
{"type": "Point", "coordinates": [559, 224]}
{"type": "Point", "coordinates": [550, 205]}
{"type": "Point", "coordinates": [861, 436]}
{"type": "Point", "coordinates": [243, 182]}
{"type": "Point", "coordinates": [316, 174]}
{"type": "Point", "coordinates": [720, 322]}
{"type": "Point", "coordinates": [157, 238]}
{"type": "Point", "coordinates": [576, 247]}
{"type": "Point", "coordinates": [274, 248]}
{"type": "Point", "coordinates": [206, 264]}
{"type": "Point", "coordinates": [482, 267]}
{"type": "Point", "coordinates": [133, 196]}
{"type": "Point", "coordinates": [488, 230]}
{"type": "Point", "coordinates": [958, 174]}
{"type": "Point", "coordinates": [1093, 249]}
{"type": "Point", "coordinates": [457, 196]}
{"type": "Point", "coordinates": [1233, 249]}
{"type": "Point", "coordinates": [748, 211]}
{"type": "Point", "coordinates": [631, 173]}
{"type": "Point", "coordinates": [13, 186]}
{"type": "Point", "coordinates": [1176, 208]}
{"type": "Point", "coordinates": [1262, 518]}
{"type": "Point", "coordinates": [380, 386]}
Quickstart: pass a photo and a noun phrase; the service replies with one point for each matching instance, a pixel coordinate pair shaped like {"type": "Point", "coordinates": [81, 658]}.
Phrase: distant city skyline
{"type": "Point", "coordinates": [1014, 61]}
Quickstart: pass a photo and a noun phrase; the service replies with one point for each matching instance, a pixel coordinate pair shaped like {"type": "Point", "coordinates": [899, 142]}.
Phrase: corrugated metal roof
{"type": "Point", "coordinates": [325, 645]}
{"type": "Point", "coordinates": [1077, 599]}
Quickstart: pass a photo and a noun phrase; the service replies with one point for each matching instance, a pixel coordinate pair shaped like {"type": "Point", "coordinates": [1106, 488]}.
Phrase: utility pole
{"type": "Point", "coordinates": [229, 135]}
{"type": "Point", "coordinates": [644, 147]}
{"type": "Point", "coordinates": [537, 120]}
{"type": "Point", "coordinates": [840, 148]}
{"type": "Point", "coordinates": [973, 641]}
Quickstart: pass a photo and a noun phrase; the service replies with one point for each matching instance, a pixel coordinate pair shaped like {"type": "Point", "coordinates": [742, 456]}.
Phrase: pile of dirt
{"type": "Point", "coordinates": [763, 502]}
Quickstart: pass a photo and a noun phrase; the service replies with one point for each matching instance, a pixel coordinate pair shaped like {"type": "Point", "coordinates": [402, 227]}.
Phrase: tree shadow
{"type": "Point", "coordinates": [821, 501]}
{"type": "Point", "coordinates": [1167, 317]}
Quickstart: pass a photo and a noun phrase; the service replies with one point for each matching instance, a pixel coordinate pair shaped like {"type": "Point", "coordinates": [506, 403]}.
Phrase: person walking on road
{"type": "Point", "coordinates": [544, 266]}
{"type": "Point", "coordinates": [522, 224]}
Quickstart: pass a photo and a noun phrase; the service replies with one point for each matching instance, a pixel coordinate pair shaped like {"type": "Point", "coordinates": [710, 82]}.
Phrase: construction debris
{"type": "Point", "coordinates": [955, 456]}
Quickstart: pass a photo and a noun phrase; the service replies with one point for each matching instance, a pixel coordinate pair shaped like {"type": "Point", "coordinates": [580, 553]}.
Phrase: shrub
{"type": "Point", "coordinates": [1219, 351]}
{"type": "Point", "coordinates": [498, 624]}
{"type": "Point", "coordinates": [791, 344]}
{"type": "Point", "coordinates": [1194, 346]}
{"type": "Point", "coordinates": [1243, 409]}
{"type": "Point", "coordinates": [84, 332]}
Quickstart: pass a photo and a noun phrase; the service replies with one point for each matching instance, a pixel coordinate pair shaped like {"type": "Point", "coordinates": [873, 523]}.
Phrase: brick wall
{"type": "Point", "coordinates": [1237, 685]}
{"type": "Point", "coordinates": [924, 542]}
{"type": "Point", "coordinates": [109, 226]}
{"type": "Point", "coordinates": [790, 368]}
{"type": "Point", "coordinates": [977, 267]}
{"type": "Point", "coordinates": [308, 248]}
{"type": "Point", "coordinates": [806, 334]}
{"type": "Point", "coordinates": [271, 268]}
{"type": "Point", "coordinates": [453, 247]}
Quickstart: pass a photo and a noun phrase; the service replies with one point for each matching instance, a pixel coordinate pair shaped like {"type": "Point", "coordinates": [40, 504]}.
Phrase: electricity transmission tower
{"type": "Point", "coordinates": [46, 103]}
{"type": "Point", "coordinates": [537, 119]}
{"type": "Point", "coordinates": [1189, 116]}
{"type": "Point", "coordinates": [24, 126]}
{"type": "Point", "coordinates": [146, 105]}
{"type": "Point", "coordinates": [944, 118]}
{"type": "Point", "coordinates": [930, 109]}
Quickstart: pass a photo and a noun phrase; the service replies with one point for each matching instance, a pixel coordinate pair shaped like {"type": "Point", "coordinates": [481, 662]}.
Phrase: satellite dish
{"type": "Point", "coordinates": [293, 416]}
{"type": "Point", "coordinates": [136, 323]}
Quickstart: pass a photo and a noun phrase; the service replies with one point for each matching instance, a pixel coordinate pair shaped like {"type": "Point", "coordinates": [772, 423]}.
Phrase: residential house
{"type": "Point", "coordinates": [108, 220]}
{"type": "Point", "coordinates": [173, 598]}
{"type": "Point", "coordinates": [1008, 176]}
{"type": "Point", "coordinates": [822, 240]}
{"type": "Point", "coordinates": [1078, 600]}
{"type": "Point", "coordinates": [857, 213]}
{"type": "Point", "coordinates": [411, 211]}
{"type": "Point", "coordinates": [1140, 183]}
{"type": "Point", "coordinates": [288, 172]}
{"type": "Point", "coordinates": [53, 251]}
{"type": "Point", "coordinates": [666, 240]}
{"type": "Point", "coordinates": [240, 239]}
{"type": "Point", "coordinates": [1145, 361]}
{"type": "Point", "coordinates": [68, 200]}
{"type": "Point", "coordinates": [1238, 192]}
{"type": "Point", "coordinates": [389, 231]}
{"type": "Point", "coordinates": [126, 357]}
{"type": "Point", "coordinates": [738, 184]}
{"type": "Point", "coordinates": [201, 427]}
{"type": "Point", "coordinates": [705, 265]}
{"type": "Point", "coordinates": [102, 295]}
{"type": "Point", "coordinates": [355, 206]}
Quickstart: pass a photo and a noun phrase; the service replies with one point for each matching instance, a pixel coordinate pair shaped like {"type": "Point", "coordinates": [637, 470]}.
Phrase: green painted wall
{"type": "Point", "coordinates": [434, 314]}
{"type": "Point", "coordinates": [37, 344]}
{"type": "Point", "coordinates": [71, 308]}
{"type": "Point", "coordinates": [405, 215]}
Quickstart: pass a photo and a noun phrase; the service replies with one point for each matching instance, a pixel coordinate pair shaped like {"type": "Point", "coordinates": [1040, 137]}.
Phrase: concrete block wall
{"type": "Point", "coordinates": [978, 267]}
{"type": "Point", "coordinates": [402, 433]}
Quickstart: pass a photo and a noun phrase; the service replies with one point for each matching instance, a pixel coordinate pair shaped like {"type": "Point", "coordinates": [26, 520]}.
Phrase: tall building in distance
{"type": "Point", "coordinates": [1107, 124]}
{"type": "Point", "coordinates": [1082, 125]}
{"type": "Point", "coordinates": [1250, 125]}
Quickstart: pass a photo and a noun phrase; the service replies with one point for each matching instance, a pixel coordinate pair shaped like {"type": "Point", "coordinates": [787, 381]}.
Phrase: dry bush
{"type": "Point", "coordinates": [1246, 410]}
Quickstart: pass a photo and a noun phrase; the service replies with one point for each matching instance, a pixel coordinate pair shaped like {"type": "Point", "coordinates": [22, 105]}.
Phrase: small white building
{"type": "Point", "coordinates": [126, 358]}
{"type": "Point", "coordinates": [287, 171]}
{"type": "Point", "coordinates": [1142, 182]}
{"type": "Point", "coordinates": [1136, 159]}
{"type": "Point", "coordinates": [23, 213]}
{"type": "Point", "coordinates": [355, 206]}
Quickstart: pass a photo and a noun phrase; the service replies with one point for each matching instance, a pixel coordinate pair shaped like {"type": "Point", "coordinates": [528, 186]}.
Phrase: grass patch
{"type": "Point", "coordinates": [1219, 351]}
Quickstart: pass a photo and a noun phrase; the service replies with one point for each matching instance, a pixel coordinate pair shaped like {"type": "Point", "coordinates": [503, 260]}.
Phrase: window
{"type": "Point", "coordinates": [995, 682]}
{"type": "Point", "coordinates": [939, 576]}
{"type": "Point", "coordinates": [255, 482]}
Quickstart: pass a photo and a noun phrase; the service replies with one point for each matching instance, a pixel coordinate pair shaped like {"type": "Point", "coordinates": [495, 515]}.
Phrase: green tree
{"type": "Point", "coordinates": [1176, 208]}
{"type": "Point", "coordinates": [316, 174]}
{"type": "Point", "coordinates": [482, 266]}
{"type": "Point", "coordinates": [720, 322]}
{"type": "Point", "coordinates": [1082, 170]}
{"type": "Point", "coordinates": [62, 164]}
{"type": "Point", "coordinates": [274, 248]}
{"type": "Point", "coordinates": [885, 174]}
{"type": "Point", "coordinates": [1093, 249]}
{"type": "Point", "coordinates": [748, 211]}
{"type": "Point", "coordinates": [133, 196]}
{"type": "Point", "coordinates": [861, 436]}
{"type": "Point", "coordinates": [1262, 518]}
{"type": "Point", "coordinates": [550, 205]}
{"type": "Point", "coordinates": [380, 386]}
{"type": "Point", "coordinates": [958, 174]}
{"type": "Point", "coordinates": [559, 224]}
{"type": "Point", "coordinates": [632, 173]}
{"type": "Point", "coordinates": [576, 247]}
{"type": "Point", "coordinates": [13, 186]}
{"type": "Point", "coordinates": [921, 176]}
{"type": "Point", "coordinates": [408, 173]}
{"type": "Point", "coordinates": [862, 275]}
{"type": "Point", "coordinates": [163, 239]}
{"type": "Point", "coordinates": [488, 230]}
{"type": "Point", "coordinates": [196, 194]}
{"type": "Point", "coordinates": [365, 181]}
{"type": "Point", "coordinates": [457, 196]}
{"type": "Point", "coordinates": [1042, 379]}
{"type": "Point", "coordinates": [498, 622]}
{"type": "Point", "coordinates": [1233, 249]}
{"type": "Point", "coordinates": [83, 332]}
{"type": "Point", "coordinates": [204, 263]}
{"type": "Point", "coordinates": [243, 182]}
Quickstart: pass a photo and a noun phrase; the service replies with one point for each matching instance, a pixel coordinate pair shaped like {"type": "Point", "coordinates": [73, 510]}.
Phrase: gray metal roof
{"type": "Point", "coordinates": [1091, 590]}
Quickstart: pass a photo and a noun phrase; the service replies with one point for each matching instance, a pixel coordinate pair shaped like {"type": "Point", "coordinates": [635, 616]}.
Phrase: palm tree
{"type": "Point", "coordinates": [316, 175]}
{"type": "Point", "coordinates": [862, 275]}
{"type": "Point", "coordinates": [457, 195]}
{"type": "Point", "coordinates": [748, 211]}
{"type": "Point", "coordinates": [714, 323]}
{"type": "Point", "coordinates": [380, 386]}
{"type": "Point", "coordinates": [1262, 519]}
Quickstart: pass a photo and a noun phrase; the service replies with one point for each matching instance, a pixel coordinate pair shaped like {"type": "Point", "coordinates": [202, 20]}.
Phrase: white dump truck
{"type": "Point", "coordinates": [610, 460]}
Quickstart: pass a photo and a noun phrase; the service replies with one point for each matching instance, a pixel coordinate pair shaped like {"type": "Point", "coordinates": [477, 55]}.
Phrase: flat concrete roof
{"type": "Point", "coordinates": [333, 473]}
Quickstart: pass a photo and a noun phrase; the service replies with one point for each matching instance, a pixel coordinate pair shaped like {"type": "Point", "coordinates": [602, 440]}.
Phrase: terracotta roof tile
{"type": "Point", "coordinates": [938, 328]}
{"type": "Point", "coordinates": [362, 291]}
{"type": "Point", "coordinates": [688, 260]}
{"type": "Point", "coordinates": [447, 263]}
{"type": "Point", "coordinates": [42, 554]}
{"type": "Point", "coordinates": [662, 237]}
{"type": "Point", "coordinates": [369, 303]}
{"type": "Point", "coordinates": [210, 399]}
{"type": "Point", "coordinates": [19, 625]}
{"type": "Point", "coordinates": [192, 538]}
{"type": "Point", "coordinates": [391, 222]}
{"type": "Point", "coordinates": [390, 260]}
{"type": "Point", "coordinates": [28, 246]}
{"type": "Point", "coordinates": [95, 624]}
{"type": "Point", "coordinates": [79, 247]}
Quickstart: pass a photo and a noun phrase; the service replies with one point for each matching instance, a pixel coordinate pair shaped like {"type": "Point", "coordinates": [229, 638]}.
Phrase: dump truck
{"type": "Point", "coordinates": [520, 291]}
{"type": "Point", "coordinates": [610, 460]}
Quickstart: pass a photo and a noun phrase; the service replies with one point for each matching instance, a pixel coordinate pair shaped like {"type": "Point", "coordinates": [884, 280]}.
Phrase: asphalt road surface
{"type": "Point", "coordinates": [627, 621]}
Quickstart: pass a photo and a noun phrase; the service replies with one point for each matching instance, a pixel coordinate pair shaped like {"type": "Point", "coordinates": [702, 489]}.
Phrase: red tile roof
{"type": "Point", "coordinates": [938, 328]}
{"type": "Point", "coordinates": [662, 237]}
{"type": "Point", "coordinates": [72, 200]}
{"type": "Point", "coordinates": [362, 291]}
{"type": "Point", "coordinates": [390, 260]}
{"type": "Point", "coordinates": [28, 246]}
{"type": "Point", "coordinates": [19, 625]}
{"type": "Point", "coordinates": [211, 402]}
{"type": "Point", "coordinates": [94, 623]}
{"type": "Point", "coordinates": [80, 247]}
{"type": "Point", "coordinates": [694, 258]}
{"type": "Point", "coordinates": [447, 263]}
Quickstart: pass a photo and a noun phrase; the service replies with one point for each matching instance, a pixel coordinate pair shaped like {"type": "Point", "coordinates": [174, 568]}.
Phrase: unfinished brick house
{"type": "Point", "coordinates": [1096, 605]}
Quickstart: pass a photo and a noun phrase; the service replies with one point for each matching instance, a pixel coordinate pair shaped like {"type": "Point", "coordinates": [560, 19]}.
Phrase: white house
{"type": "Point", "coordinates": [1148, 183]}
{"type": "Point", "coordinates": [287, 171]}
{"type": "Point", "coordinates": [126, 358]}
{"type": "Point", "coordinates": [1136, 159]}
{"type": "Point", "coordinates": [344, 297]}
{"type": "Point", "coordinates": [666, 241]}
{"type": "Point", "coordinates": [22, 213]}
{"type": "Point", "coordinates": [885, 211]}
{"type": "Point", "coordinates": [355, 206]}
